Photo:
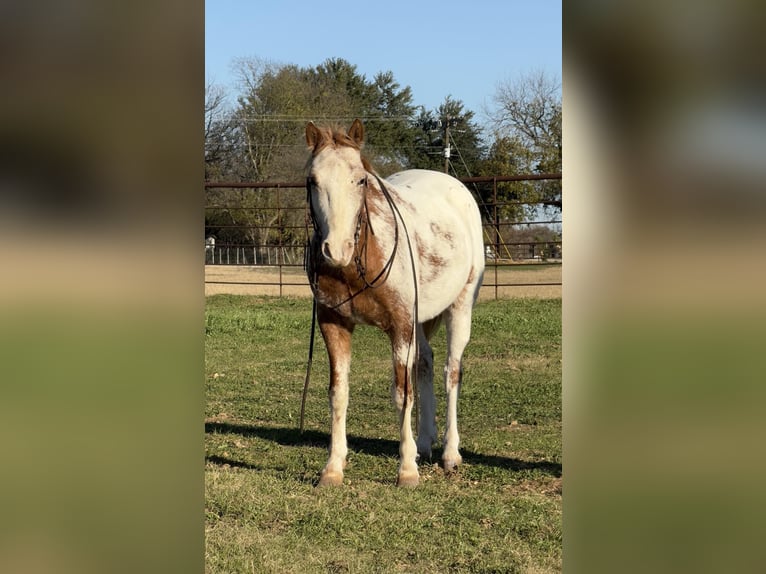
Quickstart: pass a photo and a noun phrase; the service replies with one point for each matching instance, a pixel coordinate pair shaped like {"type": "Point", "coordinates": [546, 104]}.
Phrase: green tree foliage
{"type": "Point", "coordinates": [464, 139]}
{"type": "Point", "coordinates": [273, 97]}
{"type": "Point", "coordinates": [389, 130]}
{"type": "Point", "coordinates": [225, 160]}
{"type": "Point", "coordinates": [279, 100]}
{"type": "Point", "coordinates": [270, 118]}
{"type": "Point", "coordinates": [508, 156]}
{"type": "Point", "coordinates": [527, 139]}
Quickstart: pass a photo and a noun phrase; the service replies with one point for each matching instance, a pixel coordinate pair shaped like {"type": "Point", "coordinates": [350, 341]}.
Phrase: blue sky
{"type": "Point", "coordinates": [438, 48]}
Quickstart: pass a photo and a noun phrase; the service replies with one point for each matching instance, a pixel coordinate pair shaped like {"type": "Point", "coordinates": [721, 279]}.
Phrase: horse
{"type": "Point", "coordinates": [403, 254]}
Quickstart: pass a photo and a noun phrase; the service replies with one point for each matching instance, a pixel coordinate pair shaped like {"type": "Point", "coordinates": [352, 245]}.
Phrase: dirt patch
{"type": "Point", "coordinates": [262, 280]}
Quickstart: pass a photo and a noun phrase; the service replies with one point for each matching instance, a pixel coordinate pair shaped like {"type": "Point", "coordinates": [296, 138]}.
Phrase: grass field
{"type": "Point", "coordinates": [502, 511]}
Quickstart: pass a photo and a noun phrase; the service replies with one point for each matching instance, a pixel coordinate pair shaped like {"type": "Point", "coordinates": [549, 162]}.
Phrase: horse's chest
{"type": "Point", "coordinates": [362, 306]}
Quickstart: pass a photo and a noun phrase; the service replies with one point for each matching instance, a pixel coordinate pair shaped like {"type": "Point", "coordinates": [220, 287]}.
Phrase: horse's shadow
{"type": "Point", "coordinates": [293, 437]}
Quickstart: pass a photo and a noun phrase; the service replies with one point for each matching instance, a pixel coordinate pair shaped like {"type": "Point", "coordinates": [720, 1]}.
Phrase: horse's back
{"type": "Point", "coordinates": [439, 199]}
{"type": "Point", "coordinates": [434, 189]}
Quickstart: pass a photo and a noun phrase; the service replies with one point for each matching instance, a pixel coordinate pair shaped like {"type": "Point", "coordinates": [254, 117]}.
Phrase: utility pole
{"type": "Point", "coordinates": [448, 123]}
{"type": "Point", "coordinates": [446, 144]}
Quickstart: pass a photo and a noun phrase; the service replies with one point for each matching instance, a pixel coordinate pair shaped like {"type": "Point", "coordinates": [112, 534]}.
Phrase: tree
{"type": "Point", "coordinates": [391, 133]}
{"type": "Point", "coordinates": [530, 110]}
{"type": "Point", "coordinates": [464, 139]}
{"type": "Point", "coordinates": [276, 102]}
{"type": "Point", "coordinates": [527, 123]}
{"type": "Point", "coordinates": [273, 97]}
{"type": "Point", "coordinates": [507, 156]}
{"type": "Point", "coordinates": [339, 89]}
{"type": "Point", "coordinates": [222, 139]}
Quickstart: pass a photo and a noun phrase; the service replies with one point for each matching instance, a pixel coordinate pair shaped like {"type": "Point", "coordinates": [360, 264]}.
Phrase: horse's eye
{"type": "Point", "coordinates": [362, 181]}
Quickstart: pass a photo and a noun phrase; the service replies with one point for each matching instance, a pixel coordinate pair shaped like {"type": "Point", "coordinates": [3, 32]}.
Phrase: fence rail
{"type": "Point", "coordinates": [277, 234]}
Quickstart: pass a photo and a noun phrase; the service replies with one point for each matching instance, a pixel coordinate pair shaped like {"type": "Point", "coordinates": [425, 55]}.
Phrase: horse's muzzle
{"type": "Point", "coordinates": [338, 255]}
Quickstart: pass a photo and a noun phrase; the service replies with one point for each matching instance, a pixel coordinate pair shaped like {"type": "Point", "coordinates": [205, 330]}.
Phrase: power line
{"type": "Point", "coordinates": [430, 149]}
{"type": "Point", "coordinates": [301, 119]}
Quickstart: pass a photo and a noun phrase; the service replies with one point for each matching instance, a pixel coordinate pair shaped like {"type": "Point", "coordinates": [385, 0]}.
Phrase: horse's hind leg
{"type": "Point", "coordinates": [425, 373]}
{"type": "Point", "coordinates": [337, 336]}
{"type": "Point", "coordinates": [458, 323]}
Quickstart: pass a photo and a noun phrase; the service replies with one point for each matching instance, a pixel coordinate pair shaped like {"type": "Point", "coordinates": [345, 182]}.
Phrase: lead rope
{"type": "Point", "coordinates": [306, 256]}
{"type": "Point", "coordinates": [414, 339]}
{"type": "Point", "coordinates": [311, 359]}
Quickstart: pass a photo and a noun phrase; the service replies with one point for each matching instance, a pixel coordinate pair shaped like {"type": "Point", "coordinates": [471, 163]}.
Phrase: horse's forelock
{"type": "Point", "coordinates": [338, 138]}
{"type": "Point", "coordinates": [335, 136]}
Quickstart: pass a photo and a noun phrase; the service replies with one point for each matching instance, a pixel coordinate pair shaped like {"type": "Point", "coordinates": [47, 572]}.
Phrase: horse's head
{"type": "Point", "coordinates": [337, 178]}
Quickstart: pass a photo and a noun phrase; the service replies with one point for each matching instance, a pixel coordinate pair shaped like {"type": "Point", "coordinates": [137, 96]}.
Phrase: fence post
{"type": "Point", "coordinates": [496, 217]}
{"type": "Point", "coordinates": [279, 229]}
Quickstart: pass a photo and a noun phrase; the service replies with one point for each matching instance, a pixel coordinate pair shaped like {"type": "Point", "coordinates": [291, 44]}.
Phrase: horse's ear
{"type": "Point", "coordinates": [312, 135]}
{"type": "Point", "coordinates": [356, 132]}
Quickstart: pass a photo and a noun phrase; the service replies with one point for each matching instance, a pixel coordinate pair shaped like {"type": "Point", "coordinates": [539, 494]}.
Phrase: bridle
{"type": "Point", "coordinates": [363, 223]}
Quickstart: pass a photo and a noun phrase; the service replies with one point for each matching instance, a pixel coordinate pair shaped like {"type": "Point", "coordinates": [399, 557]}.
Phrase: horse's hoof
{"type": "Point", "coordinates": [423, 455]}
{"type": "Point", "coordinates": [409, 480]}
{"type": "Point", "coordinates": [451, 464]}
{"type": "Point", "coordinates": [330, 479]}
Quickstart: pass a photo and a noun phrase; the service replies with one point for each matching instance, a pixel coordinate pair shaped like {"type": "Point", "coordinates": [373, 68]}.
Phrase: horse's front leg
{"type": "Point", "coordinates": [403, 395]}
{"type": "Point", "coordinates": [336, 332]}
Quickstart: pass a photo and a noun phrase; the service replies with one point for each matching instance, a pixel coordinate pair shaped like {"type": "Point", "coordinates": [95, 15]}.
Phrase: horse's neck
{"type": "Point", "coordinates": [382, 192]}
{"type": "Point", "coordinates": [379, 221]}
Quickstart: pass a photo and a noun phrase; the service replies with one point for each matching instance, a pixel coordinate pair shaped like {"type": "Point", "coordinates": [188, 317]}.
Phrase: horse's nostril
{"type": "Point", "coordinates": [326, 250]}
{"type": "Point", "coordinates": [339, 254]}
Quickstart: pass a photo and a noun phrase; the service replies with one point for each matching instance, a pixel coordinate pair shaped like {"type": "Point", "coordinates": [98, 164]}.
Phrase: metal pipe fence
{"type": "Point", "coordinates": [265, 225]}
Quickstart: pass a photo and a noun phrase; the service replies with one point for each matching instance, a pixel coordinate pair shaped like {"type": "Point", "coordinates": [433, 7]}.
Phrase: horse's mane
{"type": "Point", "coordinates": [337, 137]}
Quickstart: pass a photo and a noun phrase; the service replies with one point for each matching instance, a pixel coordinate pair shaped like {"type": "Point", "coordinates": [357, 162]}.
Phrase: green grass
{"type": "Point", "coordinates": [500, 513]}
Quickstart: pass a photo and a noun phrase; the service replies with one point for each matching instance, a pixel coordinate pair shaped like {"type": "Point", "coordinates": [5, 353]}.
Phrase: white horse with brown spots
{"type": "Point", "coordinates": [402, 254]}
